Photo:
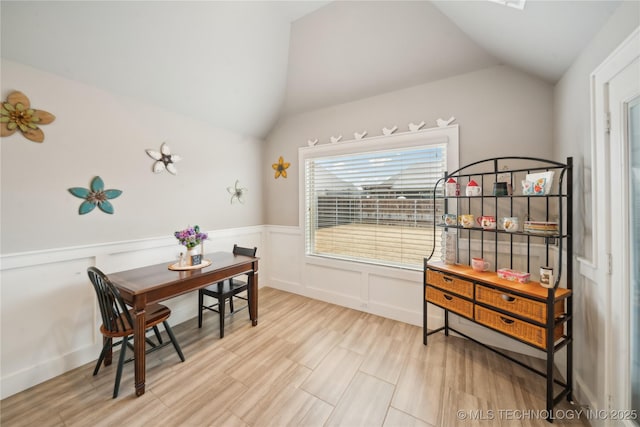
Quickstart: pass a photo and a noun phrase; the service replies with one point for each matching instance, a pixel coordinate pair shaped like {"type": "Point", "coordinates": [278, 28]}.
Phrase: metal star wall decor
{"type": "Point", "coordinates": [237, 193]}
{"type": "Point", "coordinates": [280, 168]}
{"type": "Point", "coordinates": [95, 196]}
{"type": "Point", "coordinates": [164, 159]}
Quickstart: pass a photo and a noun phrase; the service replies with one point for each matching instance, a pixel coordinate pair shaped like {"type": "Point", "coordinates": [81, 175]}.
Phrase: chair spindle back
{"type": "Point", "coordinates": [112, 307]}
{"type": "Point", "coordinates": [239, 250]}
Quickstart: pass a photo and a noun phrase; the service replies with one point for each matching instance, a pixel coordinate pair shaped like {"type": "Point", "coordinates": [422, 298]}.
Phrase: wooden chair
{"type": "Point", "coordinates": [117, 322]}
{"type": "Point", "coordinates": [227, 289]}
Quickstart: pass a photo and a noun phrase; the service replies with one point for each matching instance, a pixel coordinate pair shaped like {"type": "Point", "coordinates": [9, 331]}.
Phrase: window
{"type": "Point", "coordinates": [372, 201]}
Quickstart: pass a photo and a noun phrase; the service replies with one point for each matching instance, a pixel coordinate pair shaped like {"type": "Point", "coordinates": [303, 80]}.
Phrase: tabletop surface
{"type": "Point", "coordinates": [143, 279]}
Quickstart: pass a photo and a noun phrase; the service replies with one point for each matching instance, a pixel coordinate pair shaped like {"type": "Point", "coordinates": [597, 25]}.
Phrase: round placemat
{"type": "Point", "coordinates": [177, 267]}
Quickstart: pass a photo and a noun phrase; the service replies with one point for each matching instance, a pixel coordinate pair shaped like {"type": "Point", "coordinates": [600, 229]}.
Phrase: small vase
{"type": "Point", "coordinates": [449, 247]}
{"type": "Point", "coordinates": [194, 255]}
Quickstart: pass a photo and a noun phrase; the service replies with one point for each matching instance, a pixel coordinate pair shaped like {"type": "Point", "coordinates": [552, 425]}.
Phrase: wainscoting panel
{"type": "Point", "coordinates": [48, 315]}
{"type": "Point", "coordinates": [284, 254]}
{"type": "Point", "coordinates": [397, 296]}
{"type": "Point", "coordinates": [331, 283]}
{"type": "Point", "coordinates": [339, 282]}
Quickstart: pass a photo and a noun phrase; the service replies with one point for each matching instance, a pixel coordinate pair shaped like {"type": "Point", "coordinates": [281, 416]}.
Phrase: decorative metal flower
{"type": "Point", "coordinates": [237, 193]}
{"type": "Point", "coordinates": [96, 196]}
{"type": "Point", "coordinates": [16, 114]}
{"type": "Point", "coordinates": [164, 159]}
{"type": "Point", "coordinates": [281, 168]}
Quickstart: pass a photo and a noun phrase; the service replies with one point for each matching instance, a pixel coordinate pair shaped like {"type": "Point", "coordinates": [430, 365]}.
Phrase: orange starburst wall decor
{"type": "Point", "coordinates": [16, 114]}
{"type": "Point", "coordinates": [281, 168]}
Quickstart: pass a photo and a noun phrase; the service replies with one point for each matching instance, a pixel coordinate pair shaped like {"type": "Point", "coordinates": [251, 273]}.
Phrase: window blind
{"type": "Point", "coordinates": [375, 206]}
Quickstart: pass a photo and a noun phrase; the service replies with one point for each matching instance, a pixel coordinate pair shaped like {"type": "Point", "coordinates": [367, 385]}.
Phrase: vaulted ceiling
{"type": "Point", "coordinates": [350, 50]}
{"type": "Point", "coordinates": [241, 65]}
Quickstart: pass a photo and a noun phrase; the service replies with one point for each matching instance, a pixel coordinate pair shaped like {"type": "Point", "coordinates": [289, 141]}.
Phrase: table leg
{"type": "Point", "coordinates": [253, 298]}
{"type": "Point", "coordinates": [139, 349]}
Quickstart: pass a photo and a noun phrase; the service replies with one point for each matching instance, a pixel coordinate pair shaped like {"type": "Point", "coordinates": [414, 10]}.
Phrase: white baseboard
{"type": "Point", "coordinates": [31, 375]}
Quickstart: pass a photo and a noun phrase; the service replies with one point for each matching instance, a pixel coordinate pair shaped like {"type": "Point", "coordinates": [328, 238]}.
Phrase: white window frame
{"type": "Point", "coordinates": [448, 135]}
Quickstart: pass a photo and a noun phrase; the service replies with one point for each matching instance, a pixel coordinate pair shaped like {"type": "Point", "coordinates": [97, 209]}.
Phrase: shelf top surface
{"type": "Point", "coordinates": [532, 288]}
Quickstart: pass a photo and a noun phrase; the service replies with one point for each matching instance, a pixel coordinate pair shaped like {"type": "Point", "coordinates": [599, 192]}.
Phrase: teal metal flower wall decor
{"type": "Point", "coordinates": [95, 196]}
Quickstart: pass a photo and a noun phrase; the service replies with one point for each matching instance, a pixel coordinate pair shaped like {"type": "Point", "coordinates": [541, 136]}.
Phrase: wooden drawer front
{"type": "Point", "coordinates": [450, 302]}
{"type": "Point", "coordinates": [517, 305]}
{"type": "Point", "coordinates": [516, 328]}
{"type": "Point", "coordinates": [450, 283]}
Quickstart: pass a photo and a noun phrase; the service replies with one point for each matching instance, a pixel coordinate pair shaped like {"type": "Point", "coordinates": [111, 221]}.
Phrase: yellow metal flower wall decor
{"type": "Point", "coordinates": [16, 114]}
{"type": "Point", "coordinates": [281, 168]}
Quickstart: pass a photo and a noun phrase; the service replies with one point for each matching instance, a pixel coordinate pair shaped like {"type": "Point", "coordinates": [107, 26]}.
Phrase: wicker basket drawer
{"type": "Point", "coordinates": [516, 328]}
{"type": "Point", "coordinates": [450, 302]}
{"type": "Point", "coordinates": [521, 306]}
{"type": "Point", "coordinates": [450, 283]}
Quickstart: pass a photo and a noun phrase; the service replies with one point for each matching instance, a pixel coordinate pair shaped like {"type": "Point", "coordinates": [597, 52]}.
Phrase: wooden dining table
{"type": "Point", "coordinates": [147, 285]}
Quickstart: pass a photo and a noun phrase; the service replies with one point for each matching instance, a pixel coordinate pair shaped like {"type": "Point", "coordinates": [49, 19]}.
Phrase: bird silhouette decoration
{"type": "Point", "coordinates": [416, 127]}
{"type": "Point", "coordinates": [357, 135]}
{"type": "Point", "coordinates": [442, 123]}
{"type": "Point", "coordinates": [386, 131]}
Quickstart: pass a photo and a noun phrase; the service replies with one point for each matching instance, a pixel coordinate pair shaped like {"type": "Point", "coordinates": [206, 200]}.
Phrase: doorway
{"type": "Point", "coordinates": [618, 106]}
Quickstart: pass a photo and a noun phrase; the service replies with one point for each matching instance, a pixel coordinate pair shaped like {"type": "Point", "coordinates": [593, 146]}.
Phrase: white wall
{"type": "Point", "coordinates": [573, 136]}
{"type": "Point", "coordinates": [99, 133]}
{"type": "Point", "coordinates": [501, 112]}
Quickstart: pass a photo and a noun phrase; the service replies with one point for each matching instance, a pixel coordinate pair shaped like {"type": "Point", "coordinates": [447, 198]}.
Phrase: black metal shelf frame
{"type": "Point", "coordinates": [563, 240]}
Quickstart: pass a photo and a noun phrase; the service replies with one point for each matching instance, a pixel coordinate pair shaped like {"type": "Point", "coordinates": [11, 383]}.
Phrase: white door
{"type": "Point", "coordinates": [624, 236]}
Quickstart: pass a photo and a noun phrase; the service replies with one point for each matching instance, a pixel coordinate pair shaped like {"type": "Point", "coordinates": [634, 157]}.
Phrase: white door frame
{"type": "Point", "coordinates": [607, 154]}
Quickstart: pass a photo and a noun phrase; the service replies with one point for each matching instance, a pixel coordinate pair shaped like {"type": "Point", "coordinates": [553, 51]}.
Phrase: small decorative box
{"type": "Point", "coordinates": [513, 275]}
{"type": "Point", "coordinates": [541, 227]}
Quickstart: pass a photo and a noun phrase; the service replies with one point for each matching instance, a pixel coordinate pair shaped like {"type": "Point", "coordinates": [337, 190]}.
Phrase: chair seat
{"type": "Point", "coordinates": [155, 314]}
{"type": "Point", "coordinates": [224, 290]}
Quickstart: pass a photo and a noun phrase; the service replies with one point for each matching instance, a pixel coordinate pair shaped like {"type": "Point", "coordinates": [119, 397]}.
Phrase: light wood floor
{"type": "Point", "coordinates": [307, 363]}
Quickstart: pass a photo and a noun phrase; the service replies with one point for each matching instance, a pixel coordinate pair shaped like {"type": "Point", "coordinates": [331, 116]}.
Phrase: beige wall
{"type": "Point", "coordinates": [99, 133]}
{"type": "Point", "coordinates": [501, 112]}
{"type": "Point", "coordinates": [572, 104]}
{"type": "Point", "coordinates": [572, 134]}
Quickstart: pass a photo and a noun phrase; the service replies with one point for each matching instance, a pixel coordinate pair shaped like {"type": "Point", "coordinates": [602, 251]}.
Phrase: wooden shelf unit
{"type": "Point", "coordinates": [527, 312]}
